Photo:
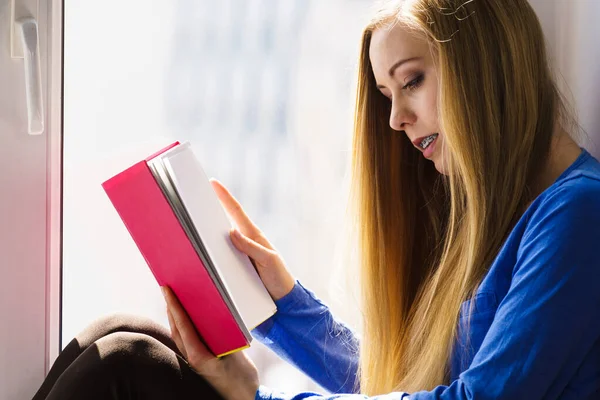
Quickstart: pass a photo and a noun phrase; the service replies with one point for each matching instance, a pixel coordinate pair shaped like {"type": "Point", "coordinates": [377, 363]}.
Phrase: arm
{"type": "Point", "coordinates": [547, 322]}
{"type": "Point", "coordinates": [305, 333]}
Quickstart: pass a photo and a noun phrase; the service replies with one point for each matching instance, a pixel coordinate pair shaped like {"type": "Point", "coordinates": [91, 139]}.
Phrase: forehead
{"type": "Point", "coordinates": [390, 44]}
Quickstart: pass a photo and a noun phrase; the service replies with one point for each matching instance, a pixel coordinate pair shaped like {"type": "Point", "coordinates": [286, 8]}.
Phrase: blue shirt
{"type": "Point", "coordinates": [534, 332]}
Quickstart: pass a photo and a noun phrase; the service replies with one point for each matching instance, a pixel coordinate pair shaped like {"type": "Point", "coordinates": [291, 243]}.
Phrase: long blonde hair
{"type": "Point", "coordinates": [426, 240]}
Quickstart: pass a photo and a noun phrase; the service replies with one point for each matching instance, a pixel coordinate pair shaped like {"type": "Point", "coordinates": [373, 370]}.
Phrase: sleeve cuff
{"type": "Point", "coordinates": [288, 301]}
{"type": "Point", "coordinates": [284, 304]}
{"type": "Point", "coordinates": [263, 393]}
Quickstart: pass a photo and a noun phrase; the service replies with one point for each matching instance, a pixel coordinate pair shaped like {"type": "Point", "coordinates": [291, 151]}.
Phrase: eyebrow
{"type": "Point", "coordinates": [397, 65]}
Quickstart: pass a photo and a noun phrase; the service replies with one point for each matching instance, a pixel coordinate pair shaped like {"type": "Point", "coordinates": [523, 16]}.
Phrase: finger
{"type": "Point", "coordinates": [196, 351]}
{"type": "Point", "coordinates": [175, 334]}
{"type": "Point", "coordinates": [252, 249]}
{"type": "Point", "coordinates": [235, 210]}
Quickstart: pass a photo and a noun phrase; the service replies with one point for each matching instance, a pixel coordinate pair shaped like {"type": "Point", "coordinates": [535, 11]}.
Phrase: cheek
{"type": "Point", "coordinates": [427, 108]}
{"type": "Point", "coordinates": [430, 94]}
{"type": "Point", "coordinates": [432, 106]}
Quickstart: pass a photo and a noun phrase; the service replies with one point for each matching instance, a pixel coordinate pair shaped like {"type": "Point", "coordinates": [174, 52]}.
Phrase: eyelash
{"type": "Point", "coordinates": [412, 85]}
{"type": "Point", "coordinates": [415, 83]}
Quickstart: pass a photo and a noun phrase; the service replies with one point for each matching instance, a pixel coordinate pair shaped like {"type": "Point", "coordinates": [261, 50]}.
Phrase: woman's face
{"type": "Point", "coordinates": [405, 74]}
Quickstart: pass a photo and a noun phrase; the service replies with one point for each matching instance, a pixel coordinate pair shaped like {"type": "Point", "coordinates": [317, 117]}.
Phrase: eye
{"type": "Point", "coordinates": [415, 83]}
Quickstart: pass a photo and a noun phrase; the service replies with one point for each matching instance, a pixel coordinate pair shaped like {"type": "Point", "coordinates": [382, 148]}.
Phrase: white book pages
{"type": "Point", "coordinates": [162, 177]}
{"type": "Point", "coordinates": [239, 276]}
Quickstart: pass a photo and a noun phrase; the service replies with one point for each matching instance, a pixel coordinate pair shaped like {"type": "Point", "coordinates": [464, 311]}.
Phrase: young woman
{"type": "Point", "coordinates": [478, 218]}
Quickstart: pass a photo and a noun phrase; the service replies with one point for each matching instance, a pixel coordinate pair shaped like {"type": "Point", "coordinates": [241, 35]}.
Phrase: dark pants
{"type": "Point", "coordinates": [123, 358]}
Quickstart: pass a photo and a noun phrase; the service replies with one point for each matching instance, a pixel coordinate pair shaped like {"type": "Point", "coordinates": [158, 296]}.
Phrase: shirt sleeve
{"type": "Point", "coordinates": [265, 393]}
{"type": "Point", "coordinates": [547, 322]}
{"type": "Point", "coordinates": [304, 333]}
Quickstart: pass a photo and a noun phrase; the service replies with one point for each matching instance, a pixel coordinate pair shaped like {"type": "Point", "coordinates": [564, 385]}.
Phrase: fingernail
{"type": "Point", "coordinates": [164, 291]}
{"type": "Point", "coordinates": [237, 234]}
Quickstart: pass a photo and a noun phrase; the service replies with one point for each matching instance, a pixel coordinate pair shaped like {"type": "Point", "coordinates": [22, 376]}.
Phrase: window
{"type": "Point", "coordinates": [263, 89]}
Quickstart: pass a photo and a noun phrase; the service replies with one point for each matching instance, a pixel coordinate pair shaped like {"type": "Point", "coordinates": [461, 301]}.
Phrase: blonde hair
{"type": "Point", "coordinates": [426, 240]}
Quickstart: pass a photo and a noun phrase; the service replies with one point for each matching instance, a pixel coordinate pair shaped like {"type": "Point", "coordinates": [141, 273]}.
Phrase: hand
{"type": "Point", "coordinates": [233, 376]}
{"type": "Point", "coordinates": [251, 241]}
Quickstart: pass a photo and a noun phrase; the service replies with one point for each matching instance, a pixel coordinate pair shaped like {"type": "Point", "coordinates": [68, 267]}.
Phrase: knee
{"type": "Point", "coordinates": [119, 323]}
{"type": "Point", "coordinates": [128, 350]}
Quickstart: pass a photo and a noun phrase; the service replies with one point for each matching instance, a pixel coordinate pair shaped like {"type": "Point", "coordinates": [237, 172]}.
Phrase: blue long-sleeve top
{"type": "Point", "coordinates": [534, 333]}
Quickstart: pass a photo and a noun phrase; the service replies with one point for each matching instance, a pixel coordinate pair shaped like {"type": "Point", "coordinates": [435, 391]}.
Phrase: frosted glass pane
{"type": "Point", "coordinates": [263, 89]}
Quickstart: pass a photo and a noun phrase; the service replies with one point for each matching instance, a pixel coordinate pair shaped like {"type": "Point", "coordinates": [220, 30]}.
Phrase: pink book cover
{"type": "Point", "coordinates": [153, 225]}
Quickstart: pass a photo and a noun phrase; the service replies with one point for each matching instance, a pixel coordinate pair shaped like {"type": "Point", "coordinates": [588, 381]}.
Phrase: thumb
{"type": "Point", "coordinates": [252, 249]}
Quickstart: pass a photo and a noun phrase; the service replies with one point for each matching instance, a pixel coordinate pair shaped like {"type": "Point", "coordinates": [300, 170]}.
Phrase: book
{"type": "Point", "coordinates": [177, 222]}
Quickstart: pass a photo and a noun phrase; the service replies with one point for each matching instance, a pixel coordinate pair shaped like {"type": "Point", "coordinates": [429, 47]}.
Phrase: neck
{"type": "Point", "coordinates": [563, 152]}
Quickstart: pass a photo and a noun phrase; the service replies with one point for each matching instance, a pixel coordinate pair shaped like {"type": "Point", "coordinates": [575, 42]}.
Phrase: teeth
{"type": "Point", "coordinates": [427, 141]}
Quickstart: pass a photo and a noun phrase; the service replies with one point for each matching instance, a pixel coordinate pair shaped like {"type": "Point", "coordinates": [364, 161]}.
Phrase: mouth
{"type": "Point", "coordinates": [424, 142]}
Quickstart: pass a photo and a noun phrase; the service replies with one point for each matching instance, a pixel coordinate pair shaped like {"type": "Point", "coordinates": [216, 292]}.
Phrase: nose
{"type": "Point", "coordinates": [401, 116]}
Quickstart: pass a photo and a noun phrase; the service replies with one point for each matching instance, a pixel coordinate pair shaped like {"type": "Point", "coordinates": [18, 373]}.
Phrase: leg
{"type": "Point", "coordinates": [95, 331]}
{"type": "Point", "coordinates": [128, 366]}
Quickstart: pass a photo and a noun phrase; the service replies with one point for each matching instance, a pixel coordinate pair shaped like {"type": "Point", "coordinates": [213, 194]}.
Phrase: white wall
{"type": "Point", "coordinates": [572, 29]}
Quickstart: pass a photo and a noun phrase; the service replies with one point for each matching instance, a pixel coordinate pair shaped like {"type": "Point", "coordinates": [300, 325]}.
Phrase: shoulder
{"type": "Point", "coordinates": [579, 194]}
{"type": "Point", "coordinates": [575, 194]}
{"type": "Point", "coordinates": [572, 201]}
{"type": "Point", "coordinates": [565, 222]}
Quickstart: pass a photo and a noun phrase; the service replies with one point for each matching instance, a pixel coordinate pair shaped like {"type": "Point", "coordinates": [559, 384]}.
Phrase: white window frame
{"type": "Point", "coordinates": [30, 259]}
{"type": "Point", "coordinates": [54, 182]}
